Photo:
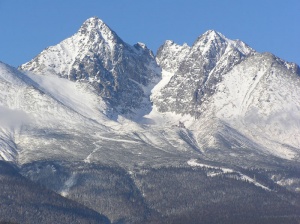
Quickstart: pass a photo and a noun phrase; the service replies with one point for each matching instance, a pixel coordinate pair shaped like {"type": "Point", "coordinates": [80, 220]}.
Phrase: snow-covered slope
{"type": "Point", "coordinates": [121, 74]}
{"type": "Point", "coordinates": [32, 105]}
{"type": "Point", "coordinates": [13, 85]}
{"type": "Point", "coordinates": [260, 98]}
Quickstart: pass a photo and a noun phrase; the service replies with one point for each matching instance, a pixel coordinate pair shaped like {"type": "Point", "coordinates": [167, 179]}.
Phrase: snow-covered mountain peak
{"type": "Point", "coordinates": [214, 44]}
{"type": "Point", "coordinates": [210, 37]}
{"type": "Point", "coordinates": [120, 73]}
{"type": "Point", "coordinates": [196, 70]}
{"type": "Point", "coordinates": [213, 34]}
{"type": "Point", "coordinates": [94, 37]}
{"type": "Point", "coordinates": [93, 22]}
{"type": "Point", "coordinates": [95, 29]}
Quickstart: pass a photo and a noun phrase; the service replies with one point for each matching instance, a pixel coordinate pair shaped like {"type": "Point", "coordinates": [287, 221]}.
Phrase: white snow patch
{"type": "Point", "coordinates": [166, 76]}
{"type": "Point", "coordinates": [193, 162]}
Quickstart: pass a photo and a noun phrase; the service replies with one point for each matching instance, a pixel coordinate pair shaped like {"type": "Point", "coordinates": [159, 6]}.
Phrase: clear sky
{"type": "Point", "coordinates": [29, 26]}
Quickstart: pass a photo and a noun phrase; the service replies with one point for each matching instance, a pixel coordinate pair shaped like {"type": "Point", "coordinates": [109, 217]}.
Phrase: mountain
{"type": "Point", "coordinates": [199, 69]}
{"type": "Point", "coordinates": [228, 82]}
{"type": "Point", "coordinates": [204, 132]}
{"type": "Point", "coordinates": [122, 74]}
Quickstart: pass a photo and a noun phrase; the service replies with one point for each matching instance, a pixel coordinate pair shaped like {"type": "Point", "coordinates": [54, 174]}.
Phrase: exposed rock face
{"type": "Point", "coordinates": [170, 55]}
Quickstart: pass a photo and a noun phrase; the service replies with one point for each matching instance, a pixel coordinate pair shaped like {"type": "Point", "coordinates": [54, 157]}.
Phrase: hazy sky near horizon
{"type": "Point", "coordinates": [29, 26]}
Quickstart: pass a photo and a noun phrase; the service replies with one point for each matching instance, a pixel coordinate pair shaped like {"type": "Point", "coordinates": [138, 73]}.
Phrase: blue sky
{"type": "Point", "coordinates": [29, 26]}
